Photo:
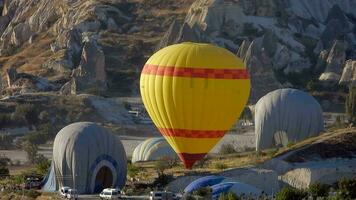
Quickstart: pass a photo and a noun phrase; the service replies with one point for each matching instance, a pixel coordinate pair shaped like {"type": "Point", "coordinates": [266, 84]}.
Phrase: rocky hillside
{"type": "Point", "coordinates": [283, 42]}
{"type": "Point", "coordinates": [325, 159]}
{"type": "Point", "coordinates": [79, 46]}
{"type": "Point", "coordinates": [99, 46]}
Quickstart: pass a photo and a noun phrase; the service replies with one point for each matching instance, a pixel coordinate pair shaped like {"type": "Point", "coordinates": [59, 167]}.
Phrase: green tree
{"type": "Point", "coordinates": [4, 170]}
{"type": "Point", "coordinates": [229, 196]}
{"type": "Point", "coordinates": [318, 190]}
{"type": "Point", "coordinates": [5, 119]}
{"type": "Point", "coordinates": [204, 192]}
{"type": "Point", "coordinates": [5, 141]}
{"type": "Point", "coordinates": [289, 193]}
{"type": "Point", "coordinates": [42, 164]}
{"type": "Point", "coordinates": [347, 188]}
{"type": "Point", "coordinates": [160, 167]}
{"type": "Point", "coordinates": [220, 166]}
{"type": "Point", "coordinates": [27, 112]}
{"type": "Point", "coordinates": [31, 150]}
{"type": "Point", "coordinates": [132, 170]}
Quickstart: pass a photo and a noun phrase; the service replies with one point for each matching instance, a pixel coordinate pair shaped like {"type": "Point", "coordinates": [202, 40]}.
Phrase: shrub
{"type": "Point", "coordinates": [271, 152]}
{"type": "Point", "coordinates": [162, 180]}
{"type": "Point", "coordinates": [220, 166]}
{"type": "Point", "coordinates": [347, 188]}
{"type": "Point", "coordinates": [5, 119]}
{"type": "Point", "coordinates": [4, 171]}
{"type": "Point", "coordinates": [132, 170]}
{"type": "Point", "coordinates": [188, 197]}
{"type": "Point", "coordinates": [36, 137]}
{"type": "Point", "coordinates": [31, 193]}
{"type": "Point", "coordinates": [290, 144]}
{"type": "Point", "coordinates": [289, 193]}
{"type": "Point", "coordinates": [227, 148]}
{"type": "Point", "coordinates": [31, 150]}
{"type": "Point", "coordinates": [28, 112]}
{"type": "Point", "coordinates": [202, 162]}
{"type": "Point", "coordinates": [5, 142]}
{"type": "Point", "coordinates": [161, 166]}
{"type": "Point", "coordinates": [318, 190]}
{"type": "Point", "coordinates": [229, 196]}
{"type": "Point", "coordinates": [42, 165]}
{"type": "Point", "coordinates": [203, 192]}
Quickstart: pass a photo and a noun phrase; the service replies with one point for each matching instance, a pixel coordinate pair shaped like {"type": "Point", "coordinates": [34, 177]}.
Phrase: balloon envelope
{"type": "Point", "coordinates": [194, 93]}
{"type": "Point", "coordinates": [203, 182]}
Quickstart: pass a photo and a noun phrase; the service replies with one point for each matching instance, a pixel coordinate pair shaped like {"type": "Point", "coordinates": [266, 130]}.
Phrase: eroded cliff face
{"type": "Point", "coordinates": [283, 38]}
{"type": "Point", "coordinates": [69, 31]}
{"type": "Point", "coordinates": [99, 45]}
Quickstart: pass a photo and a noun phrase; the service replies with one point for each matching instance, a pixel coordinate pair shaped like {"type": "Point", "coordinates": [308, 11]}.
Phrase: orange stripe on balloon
{"type": "Point", "coordinates": [189, 159]}
{"type": "Point", "coordinates": [191, 133]}
{"type": "Point", "coordinates": [195, 72]}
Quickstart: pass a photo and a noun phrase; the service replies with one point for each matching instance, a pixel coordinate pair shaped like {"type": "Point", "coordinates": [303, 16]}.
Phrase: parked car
{"type": "Point", "coordinates": [64, 191]}
{"type": "Point", "coordinates": [162, 195]}
{"type": "Point", "coordinates": [32, 183]}
{"type": "Point", "coordinates": [72, 194]}
{"type": "Point", "coordinates": [110, 193]}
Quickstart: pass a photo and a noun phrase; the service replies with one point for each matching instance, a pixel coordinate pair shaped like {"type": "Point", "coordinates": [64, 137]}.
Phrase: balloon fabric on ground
{"type": "Point", "coordinates": [153, 149]}
{"type": "Point", "coordinates": [194, 93]}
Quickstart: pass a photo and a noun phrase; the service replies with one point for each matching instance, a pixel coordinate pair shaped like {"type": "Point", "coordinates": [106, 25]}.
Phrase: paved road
{"type": "Point", "coordinates": [92, 197]}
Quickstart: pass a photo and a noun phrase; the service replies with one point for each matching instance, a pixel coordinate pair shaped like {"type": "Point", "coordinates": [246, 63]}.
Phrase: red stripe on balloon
{"type": "Point", "coordinates": [189, 159]}
{"type": "Point", "coordinates": [191, 133]}
{"type": "Point", "coordinates": [195, 72]}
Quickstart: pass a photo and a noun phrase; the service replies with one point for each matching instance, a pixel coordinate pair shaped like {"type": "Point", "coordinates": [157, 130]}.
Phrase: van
{"type": "Point", "coordinates": [162, 195]}
{"type": "Point", "coordinates": [110, 193]}
{"type": "Point", "coordinates": [72, 194]}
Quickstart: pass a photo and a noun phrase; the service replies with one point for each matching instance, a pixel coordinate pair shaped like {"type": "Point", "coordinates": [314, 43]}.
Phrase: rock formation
{"type": "Point", "coordinates": [26, 83]}
{"type": "Point", "coordinates": [334, 63]}
{"type": "Point", "coordinates": [295, 32]}
{"type": "Point", "coordinates": [11, 76]}
{"type": "Point", "coordinates": [49, 39]}
{"type": "Point", "coordinates": [258, 58]}
{"type": "Point", "coordinates": [68, 22]}
{"type": "Point", "coordinates": [349, 73]}
{"type": "Point", "coordinates": [176, 34]}
{"type": "Point", "coordinates": [91, 71]}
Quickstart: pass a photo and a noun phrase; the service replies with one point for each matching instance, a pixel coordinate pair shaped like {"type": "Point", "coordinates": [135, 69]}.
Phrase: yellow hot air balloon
{"type": "Point", "coordinates": [194, 93]}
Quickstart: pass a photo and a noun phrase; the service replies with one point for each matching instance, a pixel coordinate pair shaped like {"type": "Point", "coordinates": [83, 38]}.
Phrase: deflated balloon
{"type": "Point", "coordinates": [194, 93]}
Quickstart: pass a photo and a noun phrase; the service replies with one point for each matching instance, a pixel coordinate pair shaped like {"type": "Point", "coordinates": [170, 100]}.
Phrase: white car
{"type": "Point", "coordinates": [162, 195]}
{"type": "Point", "coordinates": [72, 194]}
{"type": "Point", "coordinates": [64, 191]}
{"type": "Point", "coordinates": [110, 193]}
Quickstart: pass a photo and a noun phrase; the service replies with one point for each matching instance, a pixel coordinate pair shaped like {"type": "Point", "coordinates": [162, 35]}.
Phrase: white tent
{"type": "Point", "coordinates": [286, 115]}
{"type": "Point", "coordinates": [87, 158]}
{"type": "Point", "coordinates": [153, 149]}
